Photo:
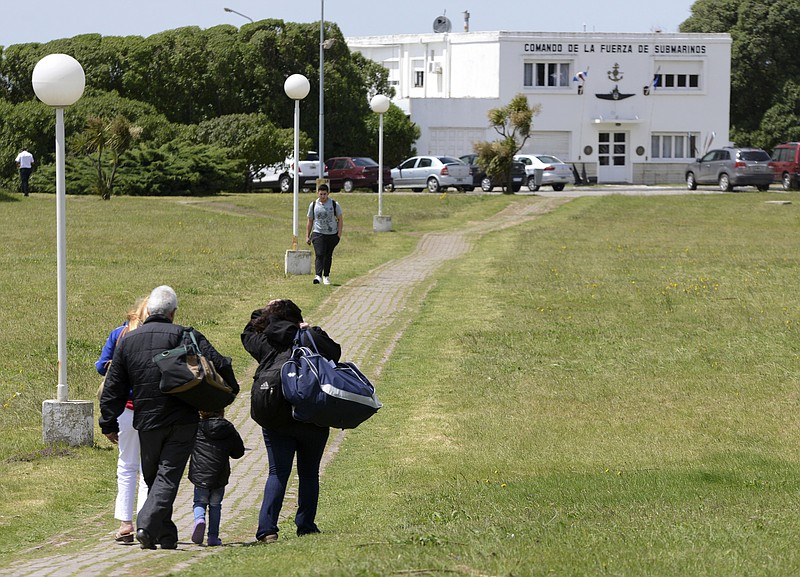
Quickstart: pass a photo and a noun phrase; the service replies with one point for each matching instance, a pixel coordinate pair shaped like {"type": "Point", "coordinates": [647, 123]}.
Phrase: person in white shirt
{"type": "Point", "coordinates": [24, 162]}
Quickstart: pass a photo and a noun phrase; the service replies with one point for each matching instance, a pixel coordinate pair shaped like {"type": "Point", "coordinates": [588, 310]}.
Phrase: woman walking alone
{"type": "Point", "coordinates": [324, 231]}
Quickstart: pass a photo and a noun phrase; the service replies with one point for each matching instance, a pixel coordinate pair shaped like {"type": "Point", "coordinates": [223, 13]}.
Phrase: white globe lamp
{"type": "Point", "coordinates": [379, 105]}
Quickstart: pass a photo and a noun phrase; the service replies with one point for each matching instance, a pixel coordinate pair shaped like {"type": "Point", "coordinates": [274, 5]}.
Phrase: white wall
{"type": "Point", "coordinates": [484, 70]}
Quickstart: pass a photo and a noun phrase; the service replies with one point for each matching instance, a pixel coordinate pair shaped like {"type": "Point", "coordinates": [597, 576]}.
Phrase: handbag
{"type": "Point", "coordinates": [326, 393]}
{"type": "Point", "coordinates": [190, 376]}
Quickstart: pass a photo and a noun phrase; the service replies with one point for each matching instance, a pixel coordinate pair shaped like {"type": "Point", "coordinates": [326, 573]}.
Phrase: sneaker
{"type": "Point", "coordinates": [199, 531]}
{"type": "Point", "coordinates": [317, 279]}
{"type": "Point", "coordinates": [214, 541]}
{"type": "Point", "coordinates": [326, 280]}
{"type": "Point", "coordinates": [271, 538]}
{"type": "Point", "coordinates": [312, 531]}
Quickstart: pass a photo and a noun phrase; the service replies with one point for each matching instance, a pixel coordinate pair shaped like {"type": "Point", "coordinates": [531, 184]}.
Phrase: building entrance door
{"type": "Point", "coordinates": [612, 157]}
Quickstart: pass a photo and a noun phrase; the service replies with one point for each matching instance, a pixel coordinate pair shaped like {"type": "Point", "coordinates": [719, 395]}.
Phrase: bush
{"type": "Point", "coordinates": [174, 169]}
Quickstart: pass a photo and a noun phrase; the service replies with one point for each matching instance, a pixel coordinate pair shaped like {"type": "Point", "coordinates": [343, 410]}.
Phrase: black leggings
{"type": "Point", "coordinates": [323, 251]}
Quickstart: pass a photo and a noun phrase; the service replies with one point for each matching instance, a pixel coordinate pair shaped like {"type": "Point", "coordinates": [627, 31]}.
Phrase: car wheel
{"type": "Point", "coordinates": [285, 183]}
{"type": "Point", "coordinates": [691, 183]}
{"type": "Point", "coordinates": [469, 188]}
{"type": "Point", "coordinates": [558, 187]}
{"type": "Point", "coordinates": [786, 181]}
{"type": "Point", "coordinates": [388, 187]}
{"type": "Point", "coordinates": [516, 187]}
{"type": "Point", "coordinates": [763, 187]}
{"type": "Point", "coordinates": [486, 184]}
{"type": "Point", "coordinates": [348, 186]}
{"type": "Point", "coordinates": [725, 183]}
{"type": "Point", "coordinates": [416, 190]}
{"type": "Point", "coordinates": [532, 184]}
{"type": "Point", "coordinates": [433, 184]}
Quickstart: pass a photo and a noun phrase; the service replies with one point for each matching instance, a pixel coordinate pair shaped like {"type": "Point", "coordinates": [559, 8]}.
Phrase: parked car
{"type": "Point", "coordinates": [786, 164]}
{"type": "Point", "coordinates": [485, 182]}
{"type": "Point", "coordinates": [350, 172]}
{"type": "Point", "coordinates": [729, 167]}
{"type": "Point", "coordinates": [434, 172]}
{"type": "Point", "coordinates": [555, 173]}
{"type": "Point", "coordinates": [278, 177]}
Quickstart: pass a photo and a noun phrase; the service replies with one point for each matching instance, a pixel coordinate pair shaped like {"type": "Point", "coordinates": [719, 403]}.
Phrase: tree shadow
{"type": "Point", "coordinates": [6, 196]}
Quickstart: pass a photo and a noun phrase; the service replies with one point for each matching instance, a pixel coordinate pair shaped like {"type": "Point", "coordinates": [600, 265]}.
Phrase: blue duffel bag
{"type": "Point", "coordinates": [326, 393]}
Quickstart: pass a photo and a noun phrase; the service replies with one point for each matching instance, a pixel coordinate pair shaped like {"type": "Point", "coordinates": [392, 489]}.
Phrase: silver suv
{"type": "Point", "coordinates": [728, 167]}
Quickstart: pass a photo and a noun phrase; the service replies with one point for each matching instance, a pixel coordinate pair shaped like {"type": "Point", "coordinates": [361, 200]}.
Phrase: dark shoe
{"type": "Point", "coordinates": [271, 538]}
{"type": "Point", "coordinates": [169, 544]}
{"type": "Point", "coordinates": [145, 540]}
{"type": "Point", "coordinates": [199, 531]}
{"type": "Point", "coordinates": [312, 531]}
{"type": "Point", "coordinates": [214, 541]}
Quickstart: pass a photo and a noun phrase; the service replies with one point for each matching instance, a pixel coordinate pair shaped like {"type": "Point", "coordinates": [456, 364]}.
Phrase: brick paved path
{"type": "Point", "coordinates": [362, 315]}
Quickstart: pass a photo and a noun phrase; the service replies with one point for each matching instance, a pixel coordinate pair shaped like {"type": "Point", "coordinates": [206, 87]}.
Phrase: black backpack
{"type": "Point", "coordinates": [268, 407]}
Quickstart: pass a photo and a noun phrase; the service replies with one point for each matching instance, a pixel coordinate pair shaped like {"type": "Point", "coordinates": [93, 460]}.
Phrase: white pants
{"type": "Point", "coordinates": [129, 470]}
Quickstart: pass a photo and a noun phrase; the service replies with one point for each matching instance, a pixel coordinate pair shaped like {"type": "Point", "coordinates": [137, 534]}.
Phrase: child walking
{"type": "Point", "coordinates": [209, 471]}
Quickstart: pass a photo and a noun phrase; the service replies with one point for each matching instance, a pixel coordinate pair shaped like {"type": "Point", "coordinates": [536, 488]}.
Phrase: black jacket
{"type": "Point", "coordinates": [133, 370]}
{"type": "Point", "coordinates": [278, 337]}
{"type": "Point", "coordinates": [272, 347]}
{"type": "Point", "coordinates": [217, 441]}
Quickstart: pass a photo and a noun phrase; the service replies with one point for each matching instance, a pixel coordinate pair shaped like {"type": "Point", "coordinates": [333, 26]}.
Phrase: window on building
{"type": "Point", "coordinates": [546, 74]}
{"type": "Point", "coordinates": [680, 146]}
{"type": "Point", "coordinates": [679, 75]}
{"type": "Point", "coordinates": [419, 78]}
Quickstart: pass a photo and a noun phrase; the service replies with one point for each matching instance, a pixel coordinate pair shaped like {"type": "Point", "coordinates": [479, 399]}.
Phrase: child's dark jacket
{"type": "Point", "coordinates": [217, 441]}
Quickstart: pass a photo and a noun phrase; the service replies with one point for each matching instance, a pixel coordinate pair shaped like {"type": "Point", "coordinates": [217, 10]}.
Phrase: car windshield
{"type": "Point", "coordinates": [364, 162]}
{"type": "Point", "coordinates": [449, 160]}
{"type": "Point", "coordinates": [549, 159]}
{"type": "Point", "coordinates": [753, 155]}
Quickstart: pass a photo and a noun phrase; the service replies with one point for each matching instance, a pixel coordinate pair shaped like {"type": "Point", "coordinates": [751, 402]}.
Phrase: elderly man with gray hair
{"type": "Point", "coordinates": [167, 426]}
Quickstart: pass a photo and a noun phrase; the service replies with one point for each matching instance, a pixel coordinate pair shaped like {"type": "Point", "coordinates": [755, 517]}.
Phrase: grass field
{"type": "Point", "coordinates": [609, 390]}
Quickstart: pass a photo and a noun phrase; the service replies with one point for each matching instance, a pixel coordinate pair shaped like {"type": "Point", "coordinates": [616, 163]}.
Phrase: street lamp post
{"type": "Point", "coordinates": [239, 13]}
{"type": "Point", "coordinates": [321, 151]}
{"type": "Point", "coordinates": [58, 81]}
{"type": "Point", "coordinates": [297, 87]}
{"type": "Point", "coordinates": [380, 104]}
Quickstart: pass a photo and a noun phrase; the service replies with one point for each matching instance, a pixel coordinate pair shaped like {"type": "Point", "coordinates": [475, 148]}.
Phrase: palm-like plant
{"type": "Point", "coordinates": [114, 136]}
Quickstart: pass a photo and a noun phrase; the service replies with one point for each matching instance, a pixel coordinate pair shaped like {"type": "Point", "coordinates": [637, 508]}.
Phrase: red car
{"type": "Point", "coordinates": [350, 172]}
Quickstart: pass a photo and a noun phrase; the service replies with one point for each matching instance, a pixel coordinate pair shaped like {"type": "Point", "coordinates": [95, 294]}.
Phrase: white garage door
{"type": "Point", "coordinates": [454, 141]}
{"type": "Point", "coordinates": [555, 143]}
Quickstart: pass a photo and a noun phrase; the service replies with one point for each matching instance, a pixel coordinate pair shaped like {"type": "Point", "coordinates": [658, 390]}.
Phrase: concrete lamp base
{"type": "Point", "coordinates": [381, 223]}
{"type": "Point", "coordinates": [298, 262]}
{"type": "Point", "coordinates": [70, 422]}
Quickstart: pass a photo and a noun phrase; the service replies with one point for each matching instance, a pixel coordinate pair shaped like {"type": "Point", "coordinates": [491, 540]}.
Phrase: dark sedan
{"type": "Point", "coordinates": [483, 180]}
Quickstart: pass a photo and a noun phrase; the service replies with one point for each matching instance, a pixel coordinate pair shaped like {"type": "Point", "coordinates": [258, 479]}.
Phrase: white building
{"type": "Point", "coordinates": [629, 108]}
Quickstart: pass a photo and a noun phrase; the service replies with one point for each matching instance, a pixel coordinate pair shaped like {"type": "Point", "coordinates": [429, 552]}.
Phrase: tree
{"type": "Point", "coordinates": [764, 61]}
{"type": "Point", "coordinates": [513, 123]}
{"type": "Point", "coordinates": [249, 137]}
{"type": "Point", "coordinates": [114, 136]}
{"type": "Point", "coordinates": [171, 84]}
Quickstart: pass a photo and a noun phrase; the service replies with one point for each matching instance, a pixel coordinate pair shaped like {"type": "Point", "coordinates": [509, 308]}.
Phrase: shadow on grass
{"type": "Point", "coordinates": [6, 196]}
